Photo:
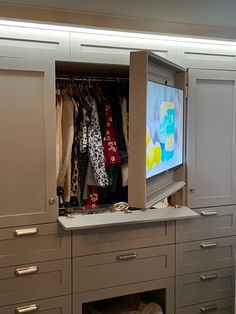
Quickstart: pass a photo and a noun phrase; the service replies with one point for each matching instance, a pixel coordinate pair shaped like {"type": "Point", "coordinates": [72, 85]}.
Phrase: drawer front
{"type": "Point", "coordinates": [93, 241]}
{"type": "Point", "coordinates": [33, 244]}
{"type": "Point", "coordinates": [35, 281]}
{"type": "Point", "coordinates": [205, 254]}
{"type": "Point", "coordinates": [121, 268]}
{"type": "Point", "coordinates": [204, 286]}
{"type": "Point", "coordinates": [212, 222]}
{"type": "Point", "coordinates": [216, 307]}
{"type": "Point", "coordinates": [59, 305]}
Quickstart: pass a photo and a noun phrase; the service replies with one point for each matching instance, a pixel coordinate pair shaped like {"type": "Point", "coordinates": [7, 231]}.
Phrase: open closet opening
{"type": "Point", "coordinates": [92, 112]}
{"type": "Point", "coordinates": [151, 302]}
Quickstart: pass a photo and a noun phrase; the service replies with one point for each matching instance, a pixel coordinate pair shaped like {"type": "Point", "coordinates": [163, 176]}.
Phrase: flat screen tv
{"type": "Point", "coordinates": [164, 128]}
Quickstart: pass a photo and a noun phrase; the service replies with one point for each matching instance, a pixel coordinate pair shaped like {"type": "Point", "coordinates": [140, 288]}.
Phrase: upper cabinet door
{"type": "Point", "coordinates": [211, 138]}
{"type": "Point", "coordinates": [116, 49]}
{"type": "Point", "coordinates": [27, 141]}
{"type": "Point", "coordinates": [28, 42]}
{"type": "Point", "coordinates": [206, 56]}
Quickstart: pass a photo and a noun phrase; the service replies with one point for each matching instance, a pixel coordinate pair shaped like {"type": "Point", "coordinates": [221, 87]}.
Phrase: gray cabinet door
{"type": "Point", "coordinates": [211, 138]}
{"type": "Point", "coordinates": [27, 140]}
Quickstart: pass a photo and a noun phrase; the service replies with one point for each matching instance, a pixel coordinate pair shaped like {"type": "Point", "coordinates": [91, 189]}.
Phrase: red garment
{"type": "Point", "coordinates": [111, 152]}
{"type": "Point", "coordinates": [92, 201]}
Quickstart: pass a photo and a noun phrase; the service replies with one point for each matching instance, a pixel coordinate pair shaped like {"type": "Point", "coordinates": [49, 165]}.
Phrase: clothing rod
{"type": "Point", "coordinates": [91, 78]}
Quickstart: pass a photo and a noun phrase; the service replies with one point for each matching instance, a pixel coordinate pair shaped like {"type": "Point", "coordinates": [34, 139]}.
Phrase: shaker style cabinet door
{"type": "Point", "coordinates": [27, 141]}
{"type": "Point", "coordinates": [211, 138]}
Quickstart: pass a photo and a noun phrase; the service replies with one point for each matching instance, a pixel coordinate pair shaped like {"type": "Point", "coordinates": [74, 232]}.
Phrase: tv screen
{"type": "Point", "coordinates": [164, 128]}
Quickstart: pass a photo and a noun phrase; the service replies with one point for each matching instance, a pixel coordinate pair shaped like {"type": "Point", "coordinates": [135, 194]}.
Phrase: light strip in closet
{"type": "Point", "coordinates": [105, 32]}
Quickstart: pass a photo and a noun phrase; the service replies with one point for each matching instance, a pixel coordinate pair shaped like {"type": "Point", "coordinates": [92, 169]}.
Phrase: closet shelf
{"type": "Point", "coordinates": [80, 221]}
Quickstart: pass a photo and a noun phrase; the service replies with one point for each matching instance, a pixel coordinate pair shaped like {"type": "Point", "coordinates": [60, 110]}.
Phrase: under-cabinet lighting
{"type": "Point", "coordinates": [116, 33]}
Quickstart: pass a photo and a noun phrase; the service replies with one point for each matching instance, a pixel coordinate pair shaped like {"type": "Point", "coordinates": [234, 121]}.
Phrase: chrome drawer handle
{"type": "Point", "coordinates": [209, 308]}
{"type": "Point", "coordinates": [126, 257]}
{"type": "Point", "coordinates": [209, 212]}
{"type": "Point", "coordinates": [25, 232]}
{"type": "Point", "coordinates": [208, 277]}
{"type": "Point", "coordinates": [26, 270]}
{"type": "Point", "coordinates": [207, 245]}
{"type": "Point", "coordinates": [27, 309]}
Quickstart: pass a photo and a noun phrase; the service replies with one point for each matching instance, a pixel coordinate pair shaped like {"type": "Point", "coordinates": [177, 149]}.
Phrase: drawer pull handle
{"type": "Point", "coordinates": [209, 212]}
{"type": "Point", "coordinates": [126, 257]}
{"type": "Point", "coordinates": [25, 232]}
{"type": "Point", "coordinates": [208, 245]}
{"type": "Point", "coordinates": [208, 277]}
{"type": "Point", "coordinates": [209, 308]}
{"type": "Point", "coordinates": [27, 309]}
{"type": "Point", "coordinates": [26, 270]}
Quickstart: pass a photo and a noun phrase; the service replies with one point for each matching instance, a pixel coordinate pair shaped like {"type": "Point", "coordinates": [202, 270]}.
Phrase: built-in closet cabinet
{"type": "Point", "coordinates": [27, 138]}
{"type": "Point", "coordinates": [205, 246]}
{"type": "Point", "coordinates": [35, 254]}
{"type": "Point", "coordinates": [211, 149]}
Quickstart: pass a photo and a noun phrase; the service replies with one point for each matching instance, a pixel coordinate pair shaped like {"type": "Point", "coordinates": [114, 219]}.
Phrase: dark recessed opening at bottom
{"type": "Point", "coordinates": [151, 302]}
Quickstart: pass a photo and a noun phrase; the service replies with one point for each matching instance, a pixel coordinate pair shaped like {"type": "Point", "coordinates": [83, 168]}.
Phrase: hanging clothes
{"type": "Point", "coordinates": [95, 146]}
{"type": "Point", "coordinates": [94, 152]}
{"type": "Point", "coordinates": [64, 177]}
{"type": "Point", "coordinates": [125, 121]}
{"type": "Point", "coordinates": [58, 132]}
{"type": "Point", "coordinates": [83, 122]}
{"type": "Point", "coordinates": [109, 142]}
{"type": "Point", "coordinates": [75, 158]}
{"type": "Point", "coordinates": [125, 128]}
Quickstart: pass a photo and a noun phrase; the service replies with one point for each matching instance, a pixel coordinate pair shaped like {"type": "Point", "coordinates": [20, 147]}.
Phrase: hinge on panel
{"type": "Point", "coordinates": [186, 91]}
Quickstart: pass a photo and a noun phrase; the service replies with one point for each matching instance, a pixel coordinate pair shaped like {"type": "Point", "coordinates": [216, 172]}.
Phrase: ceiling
{"type": "Point", "coordinates": [217, 14]}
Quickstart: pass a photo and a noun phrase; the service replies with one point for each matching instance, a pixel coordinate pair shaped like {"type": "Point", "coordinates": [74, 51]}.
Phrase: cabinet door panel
{"type": "Point", "coordinates": [115, 49]}
{"type": "Point", "coordinates": [27, 42]}
{"type": "Point", "coordinates": [27, 139]}
{"type": "Point", "coordinates": [211, 138]}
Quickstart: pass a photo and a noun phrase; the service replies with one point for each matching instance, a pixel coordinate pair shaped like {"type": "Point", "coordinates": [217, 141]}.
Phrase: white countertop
{"type": "Point", "coordinates": [85, 221]}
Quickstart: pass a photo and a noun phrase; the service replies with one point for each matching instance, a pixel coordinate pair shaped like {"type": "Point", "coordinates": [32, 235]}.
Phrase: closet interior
{"type": "Point", "coordinates": [92, 107]}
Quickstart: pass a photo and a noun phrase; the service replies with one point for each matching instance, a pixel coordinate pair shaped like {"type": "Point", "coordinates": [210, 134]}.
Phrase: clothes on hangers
{"type": "Point", "coordinates": [67, 126]}
{"type": "Point", "coordinates": [95, 146]}
{"type": "Point", "coordinates": [98, 153]}
{"type": "Point", "coordinates": [58, 132]}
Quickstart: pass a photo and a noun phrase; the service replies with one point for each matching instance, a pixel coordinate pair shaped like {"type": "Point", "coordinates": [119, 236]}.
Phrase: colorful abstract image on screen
{"type": "Point", "coordinates": [164, 128]}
